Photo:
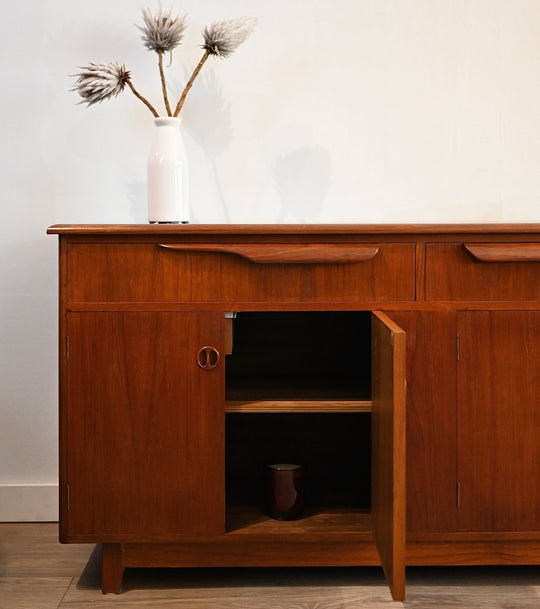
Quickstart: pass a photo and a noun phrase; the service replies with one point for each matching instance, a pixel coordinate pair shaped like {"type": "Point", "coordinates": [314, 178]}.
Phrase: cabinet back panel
{"type": "Point", "coordinates": [334, 449]}
{"type": "Point", "coordinates": [300, 355]}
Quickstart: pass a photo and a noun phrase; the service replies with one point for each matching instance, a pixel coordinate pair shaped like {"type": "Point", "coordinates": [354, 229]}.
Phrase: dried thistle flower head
{"type": "Point", "coordinates": [99, 81]}
{"type": "Point", "coordinates": [162, 32]}
{"type": "Point", "coordinates": [222, 38]}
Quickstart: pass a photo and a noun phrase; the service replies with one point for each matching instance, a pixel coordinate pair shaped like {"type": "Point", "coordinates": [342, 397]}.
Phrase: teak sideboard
{"type": "Point", "coordinates": [400, 365]}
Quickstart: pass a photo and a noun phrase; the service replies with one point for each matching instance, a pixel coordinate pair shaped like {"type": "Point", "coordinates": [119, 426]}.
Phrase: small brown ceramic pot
{"type": "Point", "coordinates": [285, 491]}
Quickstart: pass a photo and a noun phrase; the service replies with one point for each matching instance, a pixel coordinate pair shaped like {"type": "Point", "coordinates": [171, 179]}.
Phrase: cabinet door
{"type": "Point", "coordinates": [388, 449]}
{"type": "Point", "coordinates": [144, 425]}
{"type": "Point", "coordinates": [431, 419]}
{"type": "Point", "coordinates": [499, 421]}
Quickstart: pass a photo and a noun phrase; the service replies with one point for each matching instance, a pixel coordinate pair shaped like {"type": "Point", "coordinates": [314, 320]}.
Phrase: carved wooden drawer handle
{"type": "Point", "coordinates": [265, 253]}
{"type": "Point", "coordinates": [208, 358]}
{"type": "Point", "coordinates": [504, 252]}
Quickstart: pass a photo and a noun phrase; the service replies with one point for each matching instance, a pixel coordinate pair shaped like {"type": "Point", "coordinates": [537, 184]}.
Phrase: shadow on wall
{"type": "Point", "coordinates": [208, 122]}
{"type": "Point", "coordinates": [303, 180]}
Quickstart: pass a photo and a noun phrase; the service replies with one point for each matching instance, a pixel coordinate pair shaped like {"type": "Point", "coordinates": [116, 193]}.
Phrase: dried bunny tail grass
{"type": "Point", "coordinates": [222, 38]}
{"type": "Point", "coordinates": [161, 31]}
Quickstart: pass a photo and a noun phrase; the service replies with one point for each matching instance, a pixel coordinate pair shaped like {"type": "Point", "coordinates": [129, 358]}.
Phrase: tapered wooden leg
{"type": "Point", "coordinates": [112, 569]}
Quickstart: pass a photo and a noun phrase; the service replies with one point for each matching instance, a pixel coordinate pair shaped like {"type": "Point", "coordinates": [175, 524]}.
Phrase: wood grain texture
{"type": "Point", "coordinates": [125, 487]}
{"type": "Point", "coordinates": [348, 523]}
{"type": "Point", "coordinates": [345, 588]}
{"type": "Point", "coordinates": [31, 549]}
{"type": "Point", "coordinates": [148, 273]}
{"type": "Point", "coordinates": [260, 552]}
{"type": "Point", "coordinates": [504, 252]}
{"type": "Point", "coordinates": [112, 568]}
{"type": "Point", "coordinates": [291, 229]}
{"type": "Point", "coordinates": [145, 437]}
{"type": "Point", "coordinates": [33, 592]}
{"type": "Point", "coordinates": [499, 421]}
{"type": "Point", "coordinates": [388, 502]}
{"type": "Point", "coordinates": [264, 253]}
{"type": "Point", "coordinates": [431, 419]}
{"type": "Point", "coordinates": [261, 406]}
{"type": "Point", "coordinates": [62, 387]}
{"type": "Point", "coordinates": [452, 274]}
{"type": "Point", "coordinates": [469, 553]}
{"type": "Point", "coordinates": [39, 573]}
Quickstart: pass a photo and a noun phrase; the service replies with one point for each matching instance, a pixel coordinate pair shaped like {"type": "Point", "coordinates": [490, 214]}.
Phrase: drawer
{"type": "Point", "coordinates": [483, 271]}
{"type": "Point", "coordinates": [168, 272]}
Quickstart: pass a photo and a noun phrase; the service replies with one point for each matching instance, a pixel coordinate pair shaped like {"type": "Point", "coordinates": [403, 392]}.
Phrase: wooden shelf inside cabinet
{"type": "Point", "coordinates": [296, 406]}
{"type": "Point", "coordinates": [246, 520]}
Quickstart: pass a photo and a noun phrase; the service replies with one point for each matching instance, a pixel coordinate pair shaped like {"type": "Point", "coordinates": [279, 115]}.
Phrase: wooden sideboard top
{"type": "Point", "coordinates": [289, 229]}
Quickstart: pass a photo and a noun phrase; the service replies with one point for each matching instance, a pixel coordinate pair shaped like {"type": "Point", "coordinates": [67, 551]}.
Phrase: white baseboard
{"type": "Point", "coordinates": [28, 502]}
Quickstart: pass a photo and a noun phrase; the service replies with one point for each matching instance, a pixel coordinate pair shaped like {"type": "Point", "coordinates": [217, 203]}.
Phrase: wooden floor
{"type": "Point", "coordinates": [36, 572]}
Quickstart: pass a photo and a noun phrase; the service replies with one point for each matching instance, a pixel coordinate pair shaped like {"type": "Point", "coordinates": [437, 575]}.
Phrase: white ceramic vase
{"type": "Point", "coordinates": [168, 187]}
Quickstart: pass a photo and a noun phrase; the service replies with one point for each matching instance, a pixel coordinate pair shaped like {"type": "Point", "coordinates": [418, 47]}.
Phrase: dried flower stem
{"type": "Point", "coordinates": [190, 83]}
{"type": "Point", "coordinates": [144, 101]}
{"type": "Point", "coordinates": [163, 85]}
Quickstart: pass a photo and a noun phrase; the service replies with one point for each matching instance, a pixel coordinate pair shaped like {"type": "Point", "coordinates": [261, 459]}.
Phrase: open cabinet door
{"type": "Point", "coordinates": [388, 448]}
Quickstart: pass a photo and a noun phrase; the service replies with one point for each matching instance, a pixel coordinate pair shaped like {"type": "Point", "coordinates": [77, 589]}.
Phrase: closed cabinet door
{"type": "Point", "coordinates": [499, 421]}
{"type": "Point", "coordinates": [143, 447]}
{"type": "Point", "coordinates": [431, 419]}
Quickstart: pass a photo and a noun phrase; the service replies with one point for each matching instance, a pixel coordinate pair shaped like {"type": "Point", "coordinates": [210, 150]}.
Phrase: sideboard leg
{"type": "Point", "coordinates": [112, 569]}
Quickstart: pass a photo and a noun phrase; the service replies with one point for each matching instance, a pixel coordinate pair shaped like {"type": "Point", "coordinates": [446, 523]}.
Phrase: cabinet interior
{"type": "Point", "coordinates": [298, 391]}
{"type": "Point", "coordinates": [304, 356]}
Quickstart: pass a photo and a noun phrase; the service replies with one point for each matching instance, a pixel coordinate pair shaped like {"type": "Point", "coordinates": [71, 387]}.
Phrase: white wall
{"type": "Point", "coordinates": [334, 111]}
